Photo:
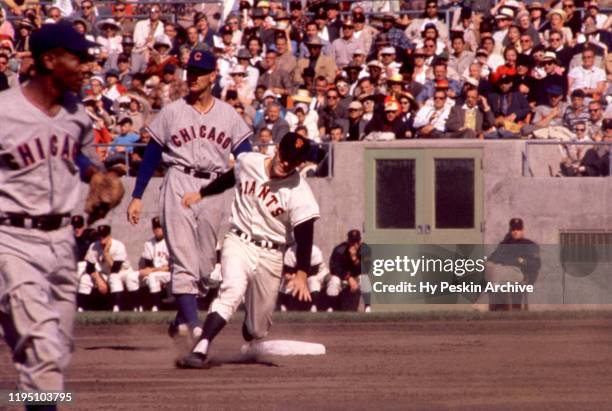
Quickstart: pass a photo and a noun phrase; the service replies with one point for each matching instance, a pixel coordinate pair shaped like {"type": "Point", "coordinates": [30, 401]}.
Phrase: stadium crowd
{"type": "Point", "coordinates": [344, 71]}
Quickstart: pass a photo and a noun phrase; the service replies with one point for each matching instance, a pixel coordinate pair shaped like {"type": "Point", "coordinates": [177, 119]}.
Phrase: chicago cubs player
{"type": "Point", "coordinates": [107, 257]}
{"type": "Point", "coordinates": [46, 138]}
{"type": "Point", "coordinates": [156, 261]}
{"type": "Point", "coordinates": [273, 206]}
{"type": "Point", "coordinates": [317, 277]}
{"type": "Point", "coordinates": [194, 136]}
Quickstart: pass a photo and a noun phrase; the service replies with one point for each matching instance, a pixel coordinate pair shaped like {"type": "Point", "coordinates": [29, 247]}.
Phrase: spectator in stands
{"type": "Point", "coordinates": [591, 79]}
{"type": "Point", "coordinates": [89, 15]}
{"type": "Point", "coordinates": [430, 120]}
{"type": "Point", "coordinates": [123, 19]}
{"type": "Point", "coordinates": [440, 74]}
{"type": "Point", "coordinates": [471, 119]}
{"type": "Point", "coordinates": [389, 126]}
{"type": "Point", "coordinates": [342, 49]}
{"type": "Point", "coordinates": [356, 122]}
{"type": "Point", "coordinates": [396, 37]}
{"type": "Point", "coordinates": [274, 79]}
{"type": "Point", "coordinates": [302, 115]}
{"type": "Point", "coordinates": [363, 31]}
{"type": "Point", "coordinates": [510, 109]}
{"type": "Point", "coordinates": [147, 31]}
{"type": "Point", "coordinates": [548, 118]}
{"type": "Point", "coordinates": [323, 65]}
{"type": "Point", "coordinates": [110, 38]}
{"type": "Point", "coordinates": [460, 59]}
{"type": "Point", "coordinates": [274, 122]}
{"type": "Point", "coordinates": [265, 142]}
{"type": "Point", "coordinates": [576, 112]}
{"type": "Point", "coordinates": [136, 61]}
{"type": "Point", "coordinates": [284, 60]}
{"type": "Point", "coordinates": [595, 122]}
{"type": "Point", "coordinates": [570, 165]}
{"type": "Point", "coordinates": [331, 113]}
{"type": "Point", "coordinates": [596, 161]}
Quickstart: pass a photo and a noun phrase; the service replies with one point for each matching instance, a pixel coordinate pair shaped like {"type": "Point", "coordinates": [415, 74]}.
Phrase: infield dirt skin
{"type": "Point", "coordinates": [427, 365]}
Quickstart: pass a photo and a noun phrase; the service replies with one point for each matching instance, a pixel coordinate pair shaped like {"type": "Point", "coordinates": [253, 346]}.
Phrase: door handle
{"type": "Point", "coordinates": [424, 229]}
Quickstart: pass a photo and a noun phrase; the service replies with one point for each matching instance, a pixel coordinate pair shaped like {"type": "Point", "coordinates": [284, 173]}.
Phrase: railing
{"type": "Point", "coordinates": [527, 166]}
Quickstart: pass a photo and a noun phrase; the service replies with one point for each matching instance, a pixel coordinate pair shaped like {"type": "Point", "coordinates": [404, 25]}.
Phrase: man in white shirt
{"type": "Point", "coordinates": [146, 31]}
{"type": "Point", "coordinates": [430, 120]}
{"type": "Point", "coordinates": [591, 79]}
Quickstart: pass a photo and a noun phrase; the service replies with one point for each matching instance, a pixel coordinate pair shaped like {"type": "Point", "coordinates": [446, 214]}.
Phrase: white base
{"type": "Point", "coordinates": [283, 348]}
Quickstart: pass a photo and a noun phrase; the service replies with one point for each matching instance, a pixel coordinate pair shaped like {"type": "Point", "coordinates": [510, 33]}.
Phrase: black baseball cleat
{"type": "Point", "coordinates": [172, 329]}
{"type": "Point", "coordinates": [194, 360]}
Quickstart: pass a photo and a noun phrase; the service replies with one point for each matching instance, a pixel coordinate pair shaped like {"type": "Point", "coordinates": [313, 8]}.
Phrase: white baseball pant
{"type": "Point", "coordinates": [251, 272]}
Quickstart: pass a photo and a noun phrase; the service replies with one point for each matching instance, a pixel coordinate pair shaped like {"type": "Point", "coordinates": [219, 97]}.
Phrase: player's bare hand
{"type": "Point", "coordinates": [133, 211]}
{"type": "Point", "coordinates": [190, 198]}
{"type": "Point", "coordinates": [299, 286]}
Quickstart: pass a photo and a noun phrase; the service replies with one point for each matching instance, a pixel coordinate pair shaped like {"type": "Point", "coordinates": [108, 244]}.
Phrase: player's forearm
{"type": "Point", "coordinates": [304, 235]}
{"type": "Point", "coordinates": [220, 184]}
{"type": "Point", "coordinates": [152, 158]}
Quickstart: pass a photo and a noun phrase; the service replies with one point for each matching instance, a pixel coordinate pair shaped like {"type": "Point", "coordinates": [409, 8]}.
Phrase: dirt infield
{"type": "Point", "coordinates": [486, 364]}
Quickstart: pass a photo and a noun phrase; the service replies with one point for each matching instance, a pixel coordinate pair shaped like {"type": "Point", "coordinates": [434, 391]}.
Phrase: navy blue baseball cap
{"type": "Point", "coordinates": [60, 35]}
{"type": "Point", "coordinates": [202, 60]}
{"type": "Point", "coordinates": [294, 148]}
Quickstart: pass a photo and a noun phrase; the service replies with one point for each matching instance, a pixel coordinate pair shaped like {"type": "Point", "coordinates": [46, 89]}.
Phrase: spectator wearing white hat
{"type": "Point", "coordinates": [110, 38]}
{"type": "Point", "coordinates": [356, 122]}
{"type": "Point", "coordinates": [238, 83]}
{"type": "Point", "coordinates": [504, 20]}
{"type": "Point", "coordinates": [302, 115]}
{"type": "Point", "coordinates": [388, 57]}
{"type": "Point", "coordinates": [342, 49]}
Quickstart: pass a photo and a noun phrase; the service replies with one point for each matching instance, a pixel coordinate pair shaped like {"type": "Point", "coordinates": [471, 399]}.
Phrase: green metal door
{"type": "Point", "coordinates": [423, 196]}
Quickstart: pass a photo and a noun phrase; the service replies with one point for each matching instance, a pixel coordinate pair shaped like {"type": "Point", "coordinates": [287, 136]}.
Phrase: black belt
{"type": "Point", "coordinates": [260, 243]}
{"type": "Point", "coordinates": [196, 173]}
{"type": "Point", "coordinates": [48, 222]}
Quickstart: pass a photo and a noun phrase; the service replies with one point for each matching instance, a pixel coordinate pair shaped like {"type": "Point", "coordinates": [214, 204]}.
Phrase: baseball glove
{"type": "Point", "coordinates": [105, 193]}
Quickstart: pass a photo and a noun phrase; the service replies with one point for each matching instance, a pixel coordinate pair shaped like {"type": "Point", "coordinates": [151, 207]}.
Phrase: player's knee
{"type": "Point", "coordinates": [334, 287]}
{"type": "Point", "coordinates": [132, 281]}
{"type": "Point", "coordinates": [115, 283]}
{"type": "Point", "coordinates": [85, 284]}
{"type": "Point", "coordinates": [314, 285]}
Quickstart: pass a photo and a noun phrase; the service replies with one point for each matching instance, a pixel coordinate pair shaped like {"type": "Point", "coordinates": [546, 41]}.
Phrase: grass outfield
{"type": "Point", "coordinates": [128, 318]}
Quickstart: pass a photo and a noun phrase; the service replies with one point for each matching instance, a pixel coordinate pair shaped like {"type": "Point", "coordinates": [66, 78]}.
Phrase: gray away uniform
{"type": "Point", "coordinates": [38, 279]}
{"type": "Point", "coordinates": [202, 142]}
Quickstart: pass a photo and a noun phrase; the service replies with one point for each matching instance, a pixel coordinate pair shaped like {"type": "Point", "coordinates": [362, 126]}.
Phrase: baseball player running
{"type": "Point", "coordinates": [194, 136]}
{"type": "Point", "coordinates": [46, 138]}
{"type": "Point", "coordinates": [155, 258]}
{"type": "Point", "coordinates": [273, 206]}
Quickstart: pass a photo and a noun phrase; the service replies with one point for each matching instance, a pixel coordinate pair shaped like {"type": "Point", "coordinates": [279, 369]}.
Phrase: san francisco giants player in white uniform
{"type": "Point", "coordinates": [156, 261]}
{"type": "Point", "coordinates": [194, 136]}
{"type": "Point", "coordinates": [318, 274]}
{"type": "Point", "coordinates": [108, 257]}
{"type": "Point", "coordinates": [46, 138]}
{"type": "Point", "coordinates": [273, 207]}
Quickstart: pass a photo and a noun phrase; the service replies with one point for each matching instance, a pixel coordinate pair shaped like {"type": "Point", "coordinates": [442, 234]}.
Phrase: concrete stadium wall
{"type": "Point", "coordinates": [546, 204]}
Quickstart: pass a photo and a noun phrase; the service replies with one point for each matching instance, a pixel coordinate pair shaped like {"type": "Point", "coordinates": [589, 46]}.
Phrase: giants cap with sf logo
{"type": "Point", "coordinates": [294, 148]}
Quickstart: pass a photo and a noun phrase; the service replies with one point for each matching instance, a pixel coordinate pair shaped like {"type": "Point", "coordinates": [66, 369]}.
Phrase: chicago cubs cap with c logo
{"type": "Point", "coordinates": [294, 148]}
{"type": "Point", "coordinates": [202, 60]}
{"type": "Point", "coordinates": [60, 36]}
